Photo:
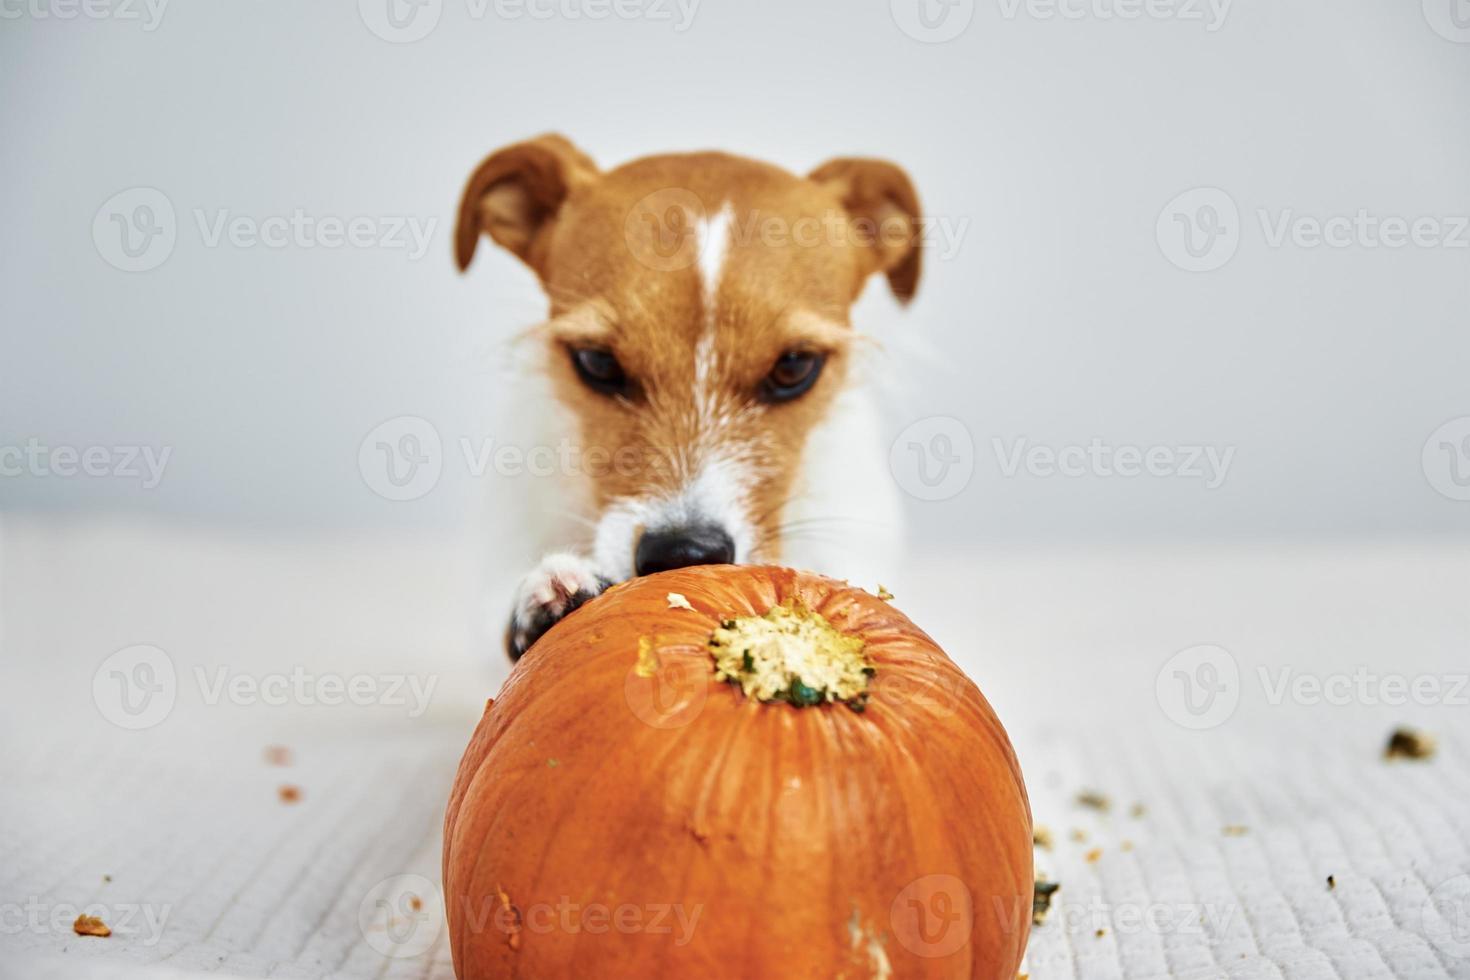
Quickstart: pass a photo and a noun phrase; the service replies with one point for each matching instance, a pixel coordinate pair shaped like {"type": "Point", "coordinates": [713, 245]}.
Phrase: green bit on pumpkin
{"type": "Point", "coordinates": [1041, 900]}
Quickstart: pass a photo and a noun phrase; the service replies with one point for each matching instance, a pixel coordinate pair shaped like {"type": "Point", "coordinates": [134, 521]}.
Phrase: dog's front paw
{"type": "Point", "coordinates": [561, 583]}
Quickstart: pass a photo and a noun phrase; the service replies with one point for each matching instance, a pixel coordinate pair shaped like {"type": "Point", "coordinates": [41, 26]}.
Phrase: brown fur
{"type": "Point", "coordinates": [616, 254]}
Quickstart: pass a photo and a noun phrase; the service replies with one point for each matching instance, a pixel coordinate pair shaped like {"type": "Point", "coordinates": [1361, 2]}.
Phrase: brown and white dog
{"type": "Point", "coordinates": [699, 334]}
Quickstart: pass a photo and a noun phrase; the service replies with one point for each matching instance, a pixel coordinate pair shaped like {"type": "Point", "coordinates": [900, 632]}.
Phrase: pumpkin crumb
{"type": "Point", "coordinates": [1406, 743]}
{"type": "Point", "coordinates": [1041, 837]}
{"type": "Point", "coordinates": [678, 601]}
{"type": "Point", "coordinates": [1094, 800]}
{"type": "Point", "coordinates": [878, 961]}
{"type": "Point", "coordinates": [1137, 810]}
{"type": "Point", "coordinates": [647, 664]}
{"type": "Point", "coordinates": [1236, 830]}
{"type": "Point", "coordinates": [1041, 895]}
{"type": "Point", "coordinates": [289, 793]}
{"type": "Point", "coordinates": [277, 755]}
{"type": "Point", "coordinates": [1101, 933]}
{"type": "Point", "coordinates": [884, 594]}
{"type": "Point", "coordinates": [513, 926]}
{"type": "Point", "coordinates": [415, 903]}
{"type": "Point", "coordinates": [1078, 835]}
{"type": "Point", "coordinates": [90, 925]}
{"type": "Point", "coordinates": [792, 654]}
{"type": "Point", "coordinates": [1093, 855]}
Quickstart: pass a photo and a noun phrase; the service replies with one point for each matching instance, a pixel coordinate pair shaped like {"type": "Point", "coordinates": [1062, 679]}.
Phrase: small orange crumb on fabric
{"type": "Point", "coordinates": [90, 925]}
{"type": "Point", "coordinates": [290, 794]}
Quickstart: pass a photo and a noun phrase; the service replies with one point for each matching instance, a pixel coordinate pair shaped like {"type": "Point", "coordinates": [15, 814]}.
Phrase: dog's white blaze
{"type": "Point", "coordinates": [714, 245]}
{"type": "Point", "coordinates": [718, 494]}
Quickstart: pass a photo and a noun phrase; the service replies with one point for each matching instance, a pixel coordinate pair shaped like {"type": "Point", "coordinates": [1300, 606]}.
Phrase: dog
{"type": "Point", "coordinates": [699, 335]}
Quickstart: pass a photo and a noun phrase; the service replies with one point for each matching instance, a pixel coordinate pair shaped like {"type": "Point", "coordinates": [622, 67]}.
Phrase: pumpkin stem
{"type": "Point", "coordinates": [792, 654]}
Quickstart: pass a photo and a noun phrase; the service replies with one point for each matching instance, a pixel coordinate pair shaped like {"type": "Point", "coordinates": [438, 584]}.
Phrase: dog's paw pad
{"type": "Point", "coordinates": [558, 585]}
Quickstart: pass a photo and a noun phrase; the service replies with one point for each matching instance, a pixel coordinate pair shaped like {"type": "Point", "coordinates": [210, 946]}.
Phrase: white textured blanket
{"type": "Point", "coordinates": [1220, 711]}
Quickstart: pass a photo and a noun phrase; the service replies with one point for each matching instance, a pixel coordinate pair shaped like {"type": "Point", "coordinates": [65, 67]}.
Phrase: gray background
{"type": "Point", "coordinates": [1055, 143]}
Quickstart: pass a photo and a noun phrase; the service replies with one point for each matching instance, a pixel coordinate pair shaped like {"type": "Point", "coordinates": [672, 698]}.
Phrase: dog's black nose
{"type": "Point", "coordinates": [659, 551]}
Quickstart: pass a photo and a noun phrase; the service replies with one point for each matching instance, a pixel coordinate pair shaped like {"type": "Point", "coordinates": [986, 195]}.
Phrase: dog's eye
{"type": "Point", "coordinates": [793, 375]}
{"type": "Point", "coordinates": [599, 370]}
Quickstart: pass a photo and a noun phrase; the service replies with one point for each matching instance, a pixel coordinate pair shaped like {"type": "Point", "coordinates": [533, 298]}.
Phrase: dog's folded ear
{"type": "Point", "coordinates": [514, 196]}
{"type": "Point", "coordinates": [885, 216]}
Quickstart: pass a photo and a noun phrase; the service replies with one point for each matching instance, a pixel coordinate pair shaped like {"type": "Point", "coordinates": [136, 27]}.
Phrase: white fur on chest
{"type": "Point", "coordinates": [846, 516]}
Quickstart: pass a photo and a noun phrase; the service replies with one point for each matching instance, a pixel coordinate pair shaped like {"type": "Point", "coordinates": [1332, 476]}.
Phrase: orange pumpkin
{"type": "Point", "coordinates": [627, 808]}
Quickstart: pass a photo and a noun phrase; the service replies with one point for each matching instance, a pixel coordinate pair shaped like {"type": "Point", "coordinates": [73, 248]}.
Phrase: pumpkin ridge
{"type": "Point", "coordinates": [594, 776]}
